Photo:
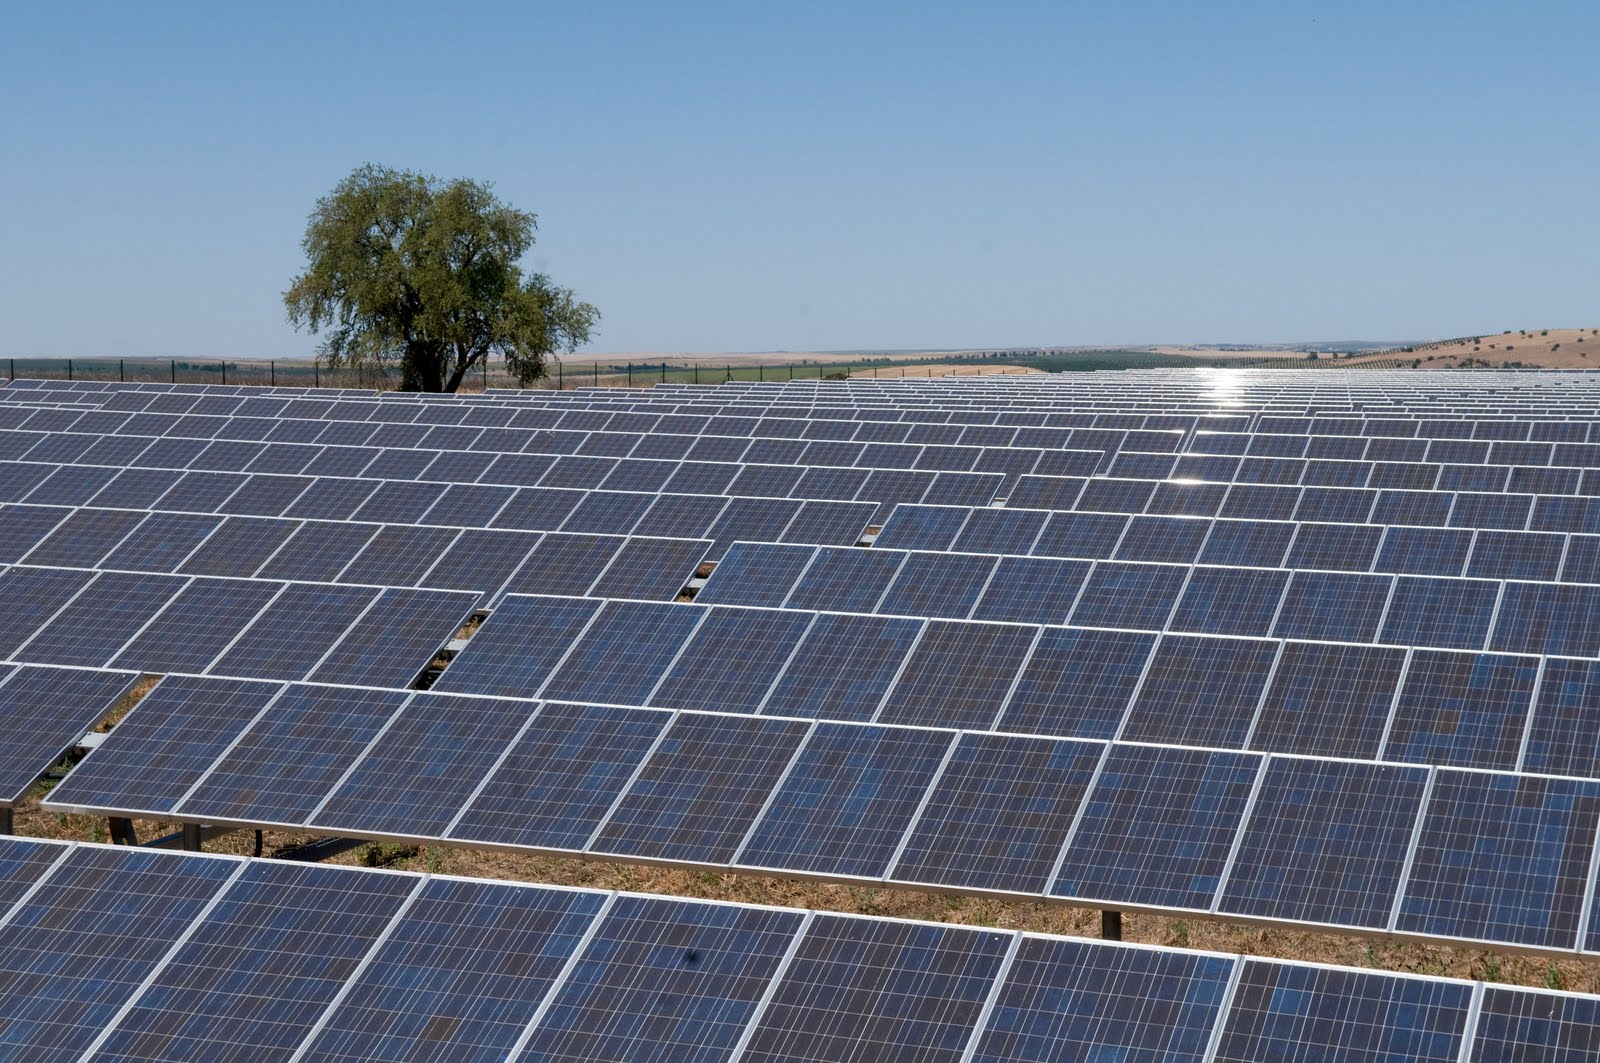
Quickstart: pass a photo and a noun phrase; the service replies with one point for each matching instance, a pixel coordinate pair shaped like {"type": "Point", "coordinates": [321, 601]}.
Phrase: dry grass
{"type": "Point", "coordinates": [1219, 936]}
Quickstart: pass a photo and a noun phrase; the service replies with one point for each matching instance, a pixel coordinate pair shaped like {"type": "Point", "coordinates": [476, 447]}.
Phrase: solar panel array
{"type": "Point", "coordinates": [1299, 647]}
{"type": "Point", "coordinates": [238, 958]}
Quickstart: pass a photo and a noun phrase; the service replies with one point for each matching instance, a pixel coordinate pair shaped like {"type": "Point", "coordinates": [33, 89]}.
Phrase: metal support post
{"type": "Point", "coordinates": [1111, 925]}
{"type": "Point", "coordinates": [69, 368]}
{"type": "Point", "coordinates": [122, 831]}
{"type": "Point", "coordinates": [122, 371]}
{"type": "Point", "coordinates": [174, 370]}
{"type": "Point", "coordinates": [192, 841]}
{"type": "Point", "coordinates": [5, 820]}
{"type": "Point", "coordinates": [272, 371]}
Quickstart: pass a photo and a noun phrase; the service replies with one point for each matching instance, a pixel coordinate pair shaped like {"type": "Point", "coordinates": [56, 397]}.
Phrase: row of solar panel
{"type": "Point", "coordinates": [1392, 413]}
{"type": "Point", "coordinates": [358, 551]}
{"type": "Point", "coordinates": [1510, 616]}
{"type": "Point", "coordinates": [65, 483]}
{"type": "Point", "coordinates": [1438, 853]}
{"type": "Point", "coordinates": [260, 959]}
{"type": "Point", "coordinates": [258, 628]}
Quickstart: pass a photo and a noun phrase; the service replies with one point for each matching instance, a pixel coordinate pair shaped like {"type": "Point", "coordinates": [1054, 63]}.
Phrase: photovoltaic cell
{"type": "Point", "coordinates": [1247, 542]}
{"type": "Point", "coordinates": [651, 569]}
{"type": "Point", "coordinates": [702, 788]}
{"type": "Point", "coordinates": [281, 766]}
{"type": "Point", "coordinates": [1336, 606]}
{"type": "Point", "coordinates": [847, 800]}
{"type": "Point", "coordinates": [32, 596]}
{"type": "Point", "coordinates": [1502, 858]}
{"type": "Point", "coordinates": [1279, 1010]}
{"type": "Point", "coordinates": [1077, 683]}
{"type": "Point", "coordinates": [1462, 709]}
{"type": "Point", "coordinates": [1065, 1000]}
{"type": "Point", "coordinates": [665, 979]}
{"type": "Point", "coordinates": [233, 989]}
{"type": "Point", "coordinates": [1031, 590]}
{"type": "Point", "coordinates": [22, 527]}
{"type": "Point", "coordinates": [760, 574]}
{"type": "Point", "coordinates": [843, 667]}
{"type": "Point", "coordinates": [999, 813]}
{"type": "Point", "coordinates": [1084, 535]}
{"type": "Point", "coordinates": [79, 949]}
{"type": "Point", "coordinates": [1230, 601]}
{"type": "Point", "coordinates": [514, 651]}
{"type": "Point", "coordinates": [43, 712]}
{"type": "Point", "coordinates": [459, 976]}
{"type": "Point", "coordinates": [912, 527]}
{"type": "Point", "coordinates": [1518, 1024]}
{"type": "Point", "coordinates": [1329, 699]}
{"type": "Point", "coordinates": [829, 523]}
{"type": "Point", "coordinates": [293, 633]}
{"type": "Point", "coordinates": [399, 556]}
{"type": "Point", "coordinates": [91, 629]}
{"type": "Point", "coordinates": [161, 541]}
{"type": "Point", "coordinates": [876, 989]}
{"type": "Point", "coordinates": [1548, 618]}
{"type": "Point", "coordinates": [624, 654]}
{"type": "Point", "coordinates": [1564, 738]}
{"type": "Point", "coordinates": [1000, 531]}
{"type": "Point", "coordinates": [1157, 827]}
{"type": "Point", "coordinates": [1125, 595]}
{"type": "Point", "coordinates": [1446, 613]}
{"type": "Point", "coordinates": [165, 744]}
{"type": "Point", "coordinates": [1326, 842]}
{"type": "Point", "coordinates": [958, 674]}
{"type": "Point", "coordinates": [945, 585]}
{"type": "Point", "coordinates": [424, 766]}
{"type": "Point", "coordinates": [732, 660]}
{"type": "Point", "coordinates": [562, 776]}
{"type": "Point", "coordinates": [397, 638]}
{"type": "Point", "coordinates": [1175, 540]}
{"type": "Point", "coordinates": [84, 537]}
{"type": "Point", "coordinates": [318, 552]}
{"type": "Point", "coordinates": [238, 547]}
{"type": "Point", "coordinates": [846, 579]}
{"type": "Point", "coordinates": [1201, 691]}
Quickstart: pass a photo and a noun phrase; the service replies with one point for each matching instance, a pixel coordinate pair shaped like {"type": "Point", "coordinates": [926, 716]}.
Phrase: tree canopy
{"type": "Point", "coordinates": [404, 270]}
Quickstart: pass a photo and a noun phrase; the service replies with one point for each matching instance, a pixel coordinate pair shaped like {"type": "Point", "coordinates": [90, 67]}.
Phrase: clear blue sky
{"type": "Point", "coordinates": [810, 176]}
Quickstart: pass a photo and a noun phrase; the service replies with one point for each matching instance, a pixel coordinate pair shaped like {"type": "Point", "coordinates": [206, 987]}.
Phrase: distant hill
{"type": "Point", "coordinates": [1565, 348]}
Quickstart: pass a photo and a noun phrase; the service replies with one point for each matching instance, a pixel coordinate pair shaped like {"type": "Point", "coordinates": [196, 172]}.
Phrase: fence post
{"type": "Point", "coordinates": [486, 371]}
{"type": "Point", "coordinates": [122, 371]}
{"type": "Point", "coordinates": [791, 372]}
{"type": "Point", "coordinates": [697, 372]}
{"type": "Point", "coordinates": [272, 372]}
{"type": "Point", "coordinates": [316, 373]}
{"type": "Point", "coordinates": [69, 368]}
{"type": "Point", "coordinates": [13, 375]}
{"type": "Point", "coordinates": [761, 372]}
{"type": "Point", "coordinates": [174, 370]}
{"type": "Point", "coordinates": [597, 374]}
{"type": "Point", "coordinates": [224, 370]}
{"type": "Point", "coordinates": [561, 376]}
{"type": "Point", "coordinates": [630, 374]}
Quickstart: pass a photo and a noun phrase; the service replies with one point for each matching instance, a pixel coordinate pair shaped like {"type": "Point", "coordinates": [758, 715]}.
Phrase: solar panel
{"type": "Point", "coordinates": [958, 675]}
{"type": "Point", "coordinates": [1128, 595]}
{"type": "Point", "coordinates": [1338, 547]}
{"type": "Point", "coordinates": [161, 542]}
{"type": "Point", "coordinates": [1090, 535]}
{"type": "Point", "coordinates": [1462, 709]}
{"type": "Point", "coordinates": [702, 788]}
{"type": "Point", "coordinates": [21, 527]}
{"type": "Point", "coordinates": [94, 626]}
{"type": "Point", "coordinates": [1278, 1010]}
{"type": "Point", "coordinates": [1064, 1000]}
{"type": "Point", "coordinates": [829, 523]}
{"type": "Point", "coordinates": [938, 585]}
{"type": "Point", "coordinates": [847, 800]}
{"type": "Point", "coordinates": [231, 987]}
{"type": "Point", "coordinates": [651, 569]}
{"type": "Point", "coordinates": [84, 537]}
{"type": "Point", "coordinates": [1000, 531]}
{"type": "Point", "coordinates": [1077, 683]}
{"type": "Point", "coordinates": [843, 667]}
{"type": "Point", "coordinates": [624, 654]}
{"type": "Point", "coordinates": [664, 979]}
{"type": "Point", "coordinates": [732, 660]}
{"type": "Point", "coordinates": [70, 485]}
{"type": "Point", "coordinates": [876, 989]}
{"type": "Point", "coordinates": [461, 972]}
{"type": "Point", "coordinates": [1548, 618]}
{"type": "Point", "coordinates": [43, 712]}
{"type": "Point", "coordinates": [71, 956]}
{"type": "Point", "coordinates": [165, 744]}
{"type": "Point", "coordinates": [759, 574]}
{"type": "Point", "coordinates": [238, 547]}
{"type": "Point", "coordinates": [922, 527]}
{"type": "Point", "coordinates": [291, 635]}
{"type": "Point", "coordinates": [318, 551]}
{"type": "Point", "coordinates": [1521, 1024]}
{"type": "Point", "coordinates": [1329, 698]}
{"type": "Point", "coordinates": [397, 638]}
{"type": "Point", "coordinates": [424, 765]}
{"type": "Point", "coordinates": [999, 813]}
{"type": "Point", "coordinates": [1201, 691]}
{"type": "Point", "coordinates": [1337, 606]}
{"type": "Point", "coordinates": [1247, 542]}
{"type": "Point", "coordinates": [200, 492]}
{"type": "Point", "coordinates": [1175, 540]}
{"type": "Point", "coordinates": [846, 579]}
{"type": "Point", "coordinates": [32, 596]}
{"type": "Point", "coordinates": [1502, 858]}
{"type": "Point", "coordinates": [1157, 827]}
{"type": "Point", "coordinates": [281, 766]}
{"type": "Point", "coordinates": [1326, 842]}
{"type": "Point", "coordinates": [331, 499]}
{"type": "Point", "coordinates": [136, 488]}
{"type": "Point", "coordinates": [399, 556]}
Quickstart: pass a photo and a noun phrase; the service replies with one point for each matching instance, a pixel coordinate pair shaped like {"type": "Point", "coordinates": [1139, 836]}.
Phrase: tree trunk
{"type": "Point", "coordinates": [423, 369]}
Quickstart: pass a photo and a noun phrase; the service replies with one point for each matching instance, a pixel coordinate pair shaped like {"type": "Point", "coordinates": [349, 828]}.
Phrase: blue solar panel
{"type": "Point", "coordinates": [1031, 590]}
{"type": "Point", "coordinates": [514, 651]}
{"type": "Point", "coordinates": [1157, 827]}
{"type": "Point", "coordinates": [1516, 555]}
{"type": "Point", "coordinates": [161, 542]}
{"type": "Point", "coordinates": [165, 744]}
{"type": "Point", "coordinates": [1247, 542]}
{"type": "Point", "coordinates": [564, 564]}
{"type": "Point", "coordinates": [1337, 606]}
{"type": "Point", "coordinates": [1339, 547]}
{"type": "Point", "coordinates": [1064, 1000]}
{"type": "Point", "coordinates": [651, 569]}
{"type": "Point", "coordinates": [1086, 535]}
{"type": "Point", "coordinates": [876, 989]}
{"type": "Point", "coordinates": [460, 974]}
{"type": "Point", "coordinates": [1201, 691]}
{"type": "Point", "coordinates": [846, 579]}
{"type": "Point", "coordinates": [1518, 1024]}
{"type": "Point", "coordinates": [1564, 737]}
{"type": "Point", "coordinates": [702, 788]}
{"type": "Point", "coordinates": [944, 585]}
{"type": "Point", "coordinates": [665, 979]}
{"type": "Point", "coordinates": [1329, 699]}
{"type": "Point", "coordinates": [43, 712]}
{"type": "Point", "coordinates": [1125, 595]}
{"type": "Point", "coordinates": [399, 556]}
{"type": "Point", "coordinates": [999, 813]}
{"type": "Point", "coordinates": [1077, 683]}
{"type": "Point", "coordinates": [233, 989]}
{"type": "Point", "coordinates": [290, 636]}
{"type": "Point", "coordinates": [912, 527]}
{"type": "Point", "coordinates": [732, 660]}
{"type": "Point", "coordinates": [843, 667]}
{"type": "Point", "coordinates": [1548, 618]}
{"type": "Point", "coordinates": [760, 574]}
{"type": "Point", "coordinates": [281, 767]}
{"type": "Point", "coordinates": [829, 523]}
{"type": "Point", "coordinates": [238, 547]}
{"type": "Point", "coordinates": [1000, 531]}
{"type": "Point", "coordinates": [84, 537]}
{"type": "Point", "coordinates": [1230, 601]}
{"type": "Point", "coordinates": [21, 527]}
{"type": "Point", "coordinates": [538, 509]}
{"type": "Point", "coordinates": [958, 675]}
{"type": "Point", "coordinates": [318, 552]}
{"type": "Point", "coordinates": [608, 512]}
{"type": "Point", "coordinates": [481, 560]}
{"type": "Point", "coordinates": [1289, 1011]}
{"type": "Point", "coordinates": [75, 952]}
{"type": "Point", "coordinates": [1447, 613]}
{"type": "Point", "coordinates": [1176, 540]}
{"type": "Point", "coordinates": [1502, 858]}
{"type": "Point", "coordinates": [1326, 842]}
{"type": "Point", "coordinates": [429, 760]}
{"type": "Point", "coordinates": [624, 654]}
{"type": "Point", "coordinates": [331, 499]}
{"type": "Point", "coordinates": [847, 800]}
{"type": "Point", "coordinates": [91, 629]}
{"type": "Point", "coordinates": [1463, 709]}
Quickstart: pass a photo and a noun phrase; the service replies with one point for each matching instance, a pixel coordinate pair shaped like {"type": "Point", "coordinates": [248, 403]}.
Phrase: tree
{"type": "Point", "coordinates": [404, 270]}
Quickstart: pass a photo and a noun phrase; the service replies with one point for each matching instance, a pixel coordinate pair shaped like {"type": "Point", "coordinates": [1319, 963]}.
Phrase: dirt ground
{"type": "Point", "coordinates": [1215, 935]}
